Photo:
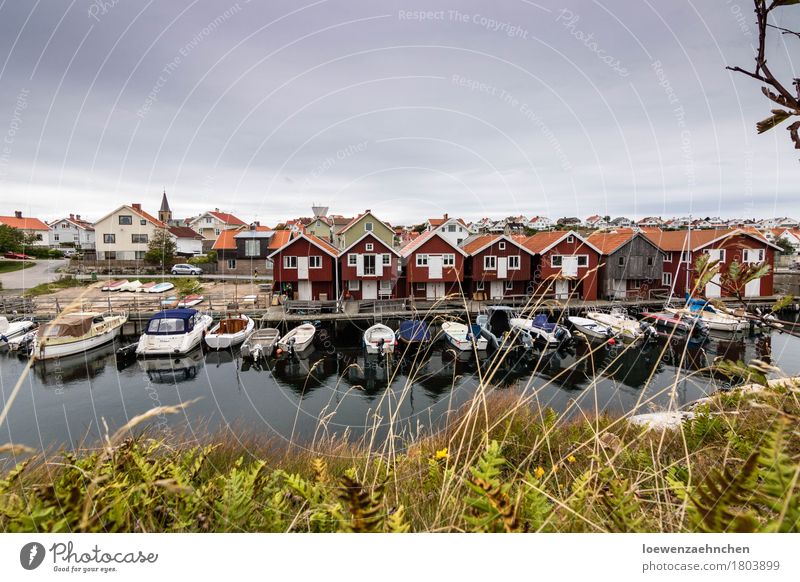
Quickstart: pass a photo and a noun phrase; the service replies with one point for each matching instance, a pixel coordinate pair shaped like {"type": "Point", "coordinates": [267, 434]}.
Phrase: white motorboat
{"type": "Point", "coordinates": [379, 339]}
{"type": "Point", "coordinates": [230, 331]}
{"type": "Point", "coordinates": [715, 320]}
{"type": "Point", "coordinates": [173, 331]}
{"type": "Point", "coordinates": [73, 333]}
{"type": "Point", "coordinates": [261, 343]}
{"type": "Point", "coordinates": [9, 330]}
{"type": "Point", "coordinates": [541, 330]}
{"type": "Point", "coordinates": [464, 338]}
{"type": "Point", "coordinates": [591, 328]}
{"type": "Point", "coordinates": [624, 327]}
{"type": "Point", "coordinates": [298, 339]}
{"type": "Point", "coordinates": [498, 330]}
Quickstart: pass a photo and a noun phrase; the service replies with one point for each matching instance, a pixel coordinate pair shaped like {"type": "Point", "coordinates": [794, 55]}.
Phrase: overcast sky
{"type": "Point", "coordinates": [472, 108]}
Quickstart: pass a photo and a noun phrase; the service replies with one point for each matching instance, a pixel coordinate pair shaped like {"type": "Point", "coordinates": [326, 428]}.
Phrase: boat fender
{"type": "Point", "coordinates": [612, 341]}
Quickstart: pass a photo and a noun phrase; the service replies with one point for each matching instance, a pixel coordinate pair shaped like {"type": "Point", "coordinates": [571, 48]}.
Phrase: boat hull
{"type": "Point", "coordinates": [60, 350]}
{"type": "Point", "coordinates": [225, 341]}
{"type": "Point", "coordinates": [172, 344]}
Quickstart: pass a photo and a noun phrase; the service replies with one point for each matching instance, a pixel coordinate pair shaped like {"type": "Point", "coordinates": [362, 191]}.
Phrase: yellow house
{"type": "Point", "coordinates": [125, 234]}
{"type": "Point", "coordinates": [320, 228]}
{"type": "Point", "coordinates": [365, 222]}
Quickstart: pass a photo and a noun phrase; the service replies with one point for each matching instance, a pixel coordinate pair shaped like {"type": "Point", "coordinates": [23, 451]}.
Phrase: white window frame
{"type": "Point", "coordinates": [490, 262]}
{"type": "Point", "coordinates": [369, 226]}
{"type": "Point", "coordinates": [448, 260]}
{"type": "Point", "coordinates": [583, 259]}
{"type": "Point", "coordinates": [352, 260]}
{"type": "Point", "coordinates": [666, 279]}
{"type": "Point", "coordinates": [248, 247]}
{"type": "Point", "coordinates": [479, 285]}
{"type": "Point", "coordinates": [422, 260]}
{"type": "Point", "coordinates": [501, 245]}
{"type": "Point", "coordinates": [686, 257]}
{"type": "Point", "coordinates": [421, 286]}
{"type": "Point", "coordinates": [509, 284]}
{"type": "Point", "coordinates": [288, 260]}
{"type": "Point", "coordinates": [315, 262]}
{"type": "Point", "coordinates": [719, 252]}
{"type": "Point", "coordinates": [668, 257]}
{"type": "Point", "coordinates": [370, 246]}
{"type": "Point", "coordinates": [451, 228]}
{"type": "Point", "coordinates": [570, 239]}
{"type": "Point", "coordinates": [760, 252]}
{"type": "Point", "coordinates": [353, 285]}
{"type": "Point", "coordinates": [387, 259]}
{"type": "Point", "coordinates": [553, 261]}
{"type": "Point", "coordinates": [231, 263]}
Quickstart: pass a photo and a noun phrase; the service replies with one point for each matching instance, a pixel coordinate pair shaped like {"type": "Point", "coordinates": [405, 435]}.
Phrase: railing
{"type": "Point", "coordinates": [303, 306]}
{"type": "Point", "coordinates": [380, 306]}
{"type": "Point", "coordinates": [10, 305]}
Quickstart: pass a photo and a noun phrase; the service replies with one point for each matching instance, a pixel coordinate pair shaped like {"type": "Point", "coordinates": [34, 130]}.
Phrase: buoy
{"type": "Point", "coordinates": [278, 352]}
{"type": "Point", "coordinates": [612, 342]}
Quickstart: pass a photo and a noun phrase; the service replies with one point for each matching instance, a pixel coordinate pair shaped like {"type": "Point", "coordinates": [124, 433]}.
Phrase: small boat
{"type": "Point", "coordinates": [714, 319]}
{"type": "Point", "coordinates": [625, 328]}
{"type": "Point", "coordinates": [131, 286]}
{"type": "Point", "coordinates": [414, 331]}
{"type": "Point", "coordinates": [229, 331]}
{"type": "Point", "coordinates": [191, 300]}
{"type": "Point", "coordinates": [464, 338]}
{"type": "Point", "coordinates": [551, 334]}
{"type": "Point", "coordinates": [170, 301]}
{"type": "Point", "coordinates": [676, 322]}
{"type": "Point", "coordinates": [145, 287]}
{"type": "Point", "coordinates": [261, 343]}
{"type": "Point", "coordinates": [499, 332]}
{"type": "Point", "coordinates": [114, 285]}
{"type": "Point", "coordinates": [23, 342]}
{"type": "Point", "coordinates": [591, 328]}
{"type": "Point", "coordinates": [173, 331]}
{"type": "Point", "coordinates": [379, 339]}
{"type": "Point", "coordinates": [9, 330]}
{"type": "Point", "coordinates": [73, 333]}
{"type": "Point", "coordinates": [298, 339]}
{"type": "Point", "coordinates": [161, 287]}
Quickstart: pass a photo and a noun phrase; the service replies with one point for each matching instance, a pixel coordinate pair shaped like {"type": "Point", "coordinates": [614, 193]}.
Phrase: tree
{"type": "Point", "coordinates": [12, 240]}
{"type": "Point", "coordinates": [775, 90]}
{"type": "Point", "coordinates": [161, 249]}
{"type": "Point", "coordinates": [786, 246]}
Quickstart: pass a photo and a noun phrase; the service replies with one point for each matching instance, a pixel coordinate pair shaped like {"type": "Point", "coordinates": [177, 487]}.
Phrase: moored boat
{"type": "Point", "coordinates": [379, 339]}
{"type": "Point", "coordinates": [9, 330]}
{"type": "Point", "coordinates": [114, 285]}
{"type": "Point", "coordinates": [298, 339]}
{"type": "Point", "coordinates": [229, 331]}
{"type": "Point", "coordinates": [713, 318]}
{"type": "Point", "coordinates": [624, 327]}
{"type": "Point", "coordinates": [261, 343]}
{"type": "Point", "coordinates": [413, 331]}
{"type": "Point", "coordinates": [161, 287]}
{"type": "Point", "coordinates": [131, 286]}
{"type": "Point", "coordinates": [496, 326]}
{"type": "Point", "coordinates": [191, 300]}
{"type": "Point", "coordinates": [77, 332]}
{"type": "Point", "coordinates": [591, 328]}
{"type": "Point", "coordinates": [676, 322]}
{"type": "Point", "coordinates": [464, 338]}
{"type": "Point", "coordinates": [550, 334]}
{"type": "Point", "coordinates": [173, 331]}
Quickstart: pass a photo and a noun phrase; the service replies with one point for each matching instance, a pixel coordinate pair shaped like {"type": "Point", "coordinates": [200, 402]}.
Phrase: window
{"type": "Point", "coordinates": [251, 247]}
{"type": "Point", "coordinates": [489, 263]}
{"type": "Point", "coordinates": [125, 219]}
{"type": "Point", "coordinates": [315, 262]}
{"type": "Point", "coordinates": [556, 260]}
{"type": "Point", "coordinates": [668, 257]}
{"type": "Point", "coordinates": [217, 231]}
{"type": "Point", "coordinates": [621, 261]}
{"type": "Point", "coordinates": [231, 264]}
{"type": "Point", "coordinates": [583, 260]}
{"type": "Point", "coordinates": [449, 260]}
{"type": "Point", "coordinates": [368, 226]}
{"type": "Point", "coordinates": [513, 262]}
{"type": "Point", "coordinates": [109, 239]}
{"type": "Point", "coordinates": [208, 220]}
{"type": "Point", "coordinates": [386, 287]}
{"type": "Point", "coordinates": [459, 241]}
{"type": "Point", "coordinates": [387, 259]}
{"type": "Point", "coordinates": [686, 257]}
{"type": "Point", "coordinates": [369, 264]}
{"type": "Point", "coordinates": [501, 245]}
{"type": "Point", "coordinates": [570, 239]}
{"type": "Point", "coordinates": [650, 261]}
{"type": "Point", "coordinates": [289, 262]}
{"type": "Point", "coordinates": [55, 237]}
{"type": "Point", "coordinates": [352, 260]}
{"type": "Point", "coordinates": [420, 286]}
{"type": "Point", "coordinates": [753, 255]}
{"type": "Point", "coordinates": [422, 260]}
{"type": "Point", "coordinates": [451, 228]}
{"type": "Point", "coordinates": [370, 246]}
{"type": "Point", "coordinates": [509, 285]}
{"type": "Point", "coordinates": [139, 255]}
{"type": "Point", "coordinates": [666, 279]}
{"type": "Point", "coordinates": [479, 286]}
{"type": "Point", "coordinates": [716, 254]}
{"type": "Point", "coordinates": [353, 285]}
{"type": "Point", "coordinates": [111, 255]}
{"type": "Point", "coordinates": [139, 239]}
{"type": "Point", "coordinates": [143, 222]}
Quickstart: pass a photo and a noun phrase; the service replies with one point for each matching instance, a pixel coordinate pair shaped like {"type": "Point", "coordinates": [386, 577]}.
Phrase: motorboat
{"type": "Point", "coordinates": [712, 317]}
{"type": "Point", "coordinates": [115, 285]}
{"type": "Point", "coordinates": [379, 339]}
{"type": "Point", "coordinates": [173, 331]}
{"type": "Point", "coordinates": [413, 332]}
{"type": "Point", "coordinates": [160, 287]}
{"type": "Point", "coordinates": [298, 339]}
{"type": "Point", "coordinates": [191, 300]}
{"type": "Point", "coordinates": [22, 343]}
{"type": "Point", "coordinates": [261, 343]}
{"type": "Point", "coordinates": [676, 322]}
{"type": "Point", "coordinates": [9, 330]}
{"type": "Point", "coordinates": [73, 333]}
{"type": "Point", "coordinates": [591, 328]}
{"type": "Point", "coordinates": [464, 338]}
{"type": "Point", "coordinates": [229, 332]}
{"type": "Point", "coordinates": [624, 327]}
{"type": "Point", "coordinates": [131, 286]}
{"type": "Point", "coordinates": [496, 326]}
{"type": "Point", "coordinates": [541, 330]}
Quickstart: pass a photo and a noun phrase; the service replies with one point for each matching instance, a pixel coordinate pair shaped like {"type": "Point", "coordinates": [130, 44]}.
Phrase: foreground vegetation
{"type": "Point", "coordinates": [53, 286]}
{"type": "Point", "coordinates": [11, 266]}
{"type": "Point", "coordinates": [502, 466]}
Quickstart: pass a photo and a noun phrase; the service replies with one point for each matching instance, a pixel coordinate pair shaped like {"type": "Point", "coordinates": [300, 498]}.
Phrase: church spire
{"type": "Point", "coordinates": [164, 213]}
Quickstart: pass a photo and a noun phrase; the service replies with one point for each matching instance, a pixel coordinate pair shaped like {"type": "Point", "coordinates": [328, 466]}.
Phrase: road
{"type": "Point", "coordinates": [43, 272]}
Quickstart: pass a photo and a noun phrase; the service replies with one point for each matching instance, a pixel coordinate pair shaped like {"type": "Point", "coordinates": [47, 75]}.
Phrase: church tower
{"type": "Point", "coordinates": [164, 213]}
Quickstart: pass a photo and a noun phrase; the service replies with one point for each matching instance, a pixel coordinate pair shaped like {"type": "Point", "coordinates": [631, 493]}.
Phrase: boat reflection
{"type": "Point", "coordinates": [77, 367]}
{"type": "Point", "coordinates": [173, 370]}
{"type": "Point", "coordinates": [304, 371]}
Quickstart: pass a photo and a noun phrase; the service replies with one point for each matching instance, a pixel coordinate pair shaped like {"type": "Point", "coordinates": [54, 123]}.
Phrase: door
{"type": "Point", "coordinates": [753, 288]}
{"type": "Point", "coordinates": [712, 287]}
{"type": "Point", "coordinates": [569, 265]}
{"type": "Point", "coordinates": [435, 266]}
{"type": "Point", "coordinates": [302, 267]}
{"type": "Point", "coordinates": [618, 288]}
{"type": "Point", "coordinates": [369, 289]}
{"type": "Point", "coordinates": [369, 264]}
{"type": "Point", "coordinates": [496, 290]}
{"type": "Point", "coordinates": [303, 289]}
{"type": "Point", "coordinates": [434, 291]}
{"type": "Point", "coordinates": [562, 289]}
{"type": "Point", "coordinates": [502, 267]}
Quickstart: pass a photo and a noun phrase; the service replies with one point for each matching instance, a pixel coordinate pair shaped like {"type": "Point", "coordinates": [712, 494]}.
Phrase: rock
{"type": "Point", "coordinates": [661, 420]}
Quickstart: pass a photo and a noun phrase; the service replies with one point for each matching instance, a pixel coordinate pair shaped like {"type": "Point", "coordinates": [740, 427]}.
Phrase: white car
{"type": "Point", "coordinates": [186, 269]}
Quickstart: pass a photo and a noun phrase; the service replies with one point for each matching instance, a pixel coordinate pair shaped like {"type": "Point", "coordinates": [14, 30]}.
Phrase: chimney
{"type": "Point", "coordinates": [216, 210]}
{"type": "Point", "coordinates": [78, 216]}
{"type": "Point", "coordinates": [72, 216]}
{"type": "Point", "coordinates": [18, 213]}
{"type": "Point", "coordinates": [445, 216]}
{"type": "Point", "coordinates": [137, 206]}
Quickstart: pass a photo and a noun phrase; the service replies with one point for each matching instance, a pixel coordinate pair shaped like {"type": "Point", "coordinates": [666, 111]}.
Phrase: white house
{"type": "Point", "coordinates": [211, 223]}
{"type": "Point", "coordinates": [540, 223]}
{"type": "Point", "coordinates": [595, 221]}
{"type": "Point", "coordinates": [33, 227]}
{"type": "Point", "coordinates": [188, 243]}
{"type": "Point", "coordinates": [455, 230]}
{"type": "Point", "coordinates": [125, 233]}
{"type": "Point", "coordinates": [72, 232]}
{"type": "Point", "coordinates": [790, 235]}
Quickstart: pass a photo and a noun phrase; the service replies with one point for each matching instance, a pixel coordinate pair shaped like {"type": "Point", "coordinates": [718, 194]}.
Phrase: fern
{"type": "Point", "coordinates": [490, 508]}
{"type": "Point", "coordinates": [366, 508]}
{"type": "Point", "coordinates": [719, 504]}
{"type": "Point", "coordinates": [778, 487]}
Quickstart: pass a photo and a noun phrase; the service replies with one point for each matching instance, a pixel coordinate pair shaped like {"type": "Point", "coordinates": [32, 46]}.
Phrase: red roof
{"type": "Point", "coordinates": [24, 223]}
{"type": "Point", "coordinates": [225, 240]}
{"type": "Point", "coordinates": [227, 218]}
{"type": "Point", "coordinates": [280, 238]}
{"type": "Point", "coordinates": [681, 240]}
{"type": "Point", "coordinates": [147, 216]}
{"type": "Point", "coordinates": [610, 241]}
{"type": "Point", "coordinates": [184, 232]}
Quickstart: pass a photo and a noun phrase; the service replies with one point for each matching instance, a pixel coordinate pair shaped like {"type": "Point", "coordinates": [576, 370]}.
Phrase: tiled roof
{"type": "Point", "coordinates": [184, 232]}
{"type": "Point", "coordinates": [227, 218]}
{"type": "Point", "coordinates": [225, 240]}
{"type": "Point", "coordinates": [472, 245]}
{"type": "Point", "coordinates": [149, 217]}
{"type": "Point", "coordinates": [541, 240]}
{"type": "Point", "coordinates": [610, 241]}
{"type": "Point", "coordinates": [280, 238]}
{"type": "Point", "coordinates": [681, 240]}
{"type": "Point", "coordinates": [24, 223]}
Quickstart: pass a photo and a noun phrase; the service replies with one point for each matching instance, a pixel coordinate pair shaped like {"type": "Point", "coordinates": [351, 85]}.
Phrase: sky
{"type": "Point", "coordinates": [410, 109]}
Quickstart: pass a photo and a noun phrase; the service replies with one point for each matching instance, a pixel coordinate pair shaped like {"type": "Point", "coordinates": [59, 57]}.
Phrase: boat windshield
{"type": "Point", "coordinates": [166, 326]}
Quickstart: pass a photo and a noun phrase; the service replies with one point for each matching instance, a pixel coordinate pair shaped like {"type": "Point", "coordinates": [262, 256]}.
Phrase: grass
{"type": "Point", "coordinates": [53, 286]}
{"type": "Point", "coordinates": [11, 266]}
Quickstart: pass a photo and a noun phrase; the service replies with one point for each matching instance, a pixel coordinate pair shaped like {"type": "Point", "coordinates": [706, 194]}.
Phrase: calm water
{"type": "Point", "coordinates": [66, 402]}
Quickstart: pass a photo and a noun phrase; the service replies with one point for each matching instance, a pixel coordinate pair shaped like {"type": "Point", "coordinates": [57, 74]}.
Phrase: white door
{"type": "Point", "coordinates": [302, 267]}
{"type": "Point", "coordinates": [753, 288]}
{"type": "Point", "coordinates": [303, 289]}
{"type": "Point", "coordinates": [569, 265]}
{"type": "Point", "coordinates": [496, 290]}
{"type": "Point", "coordinates": [434, 291]}
{"type": "Point", "coordinates": [369, 289]}
{"type": "Point", "coordinates": [712, 287]}
{"type": "Point", "coordinates": [618, 288]}
{"type": "Point", "coordinates": [435, 267]}
{"type": "Point", "coordinates": [502, 267]}
{"type": "Point", "coordinates": [562, 289]}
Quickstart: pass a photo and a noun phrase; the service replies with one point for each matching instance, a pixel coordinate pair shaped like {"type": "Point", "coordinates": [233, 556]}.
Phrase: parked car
{"type": "Point", "coordinates": [20, 256]}
{"type": "Point", "coordinates": [186, 269]}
